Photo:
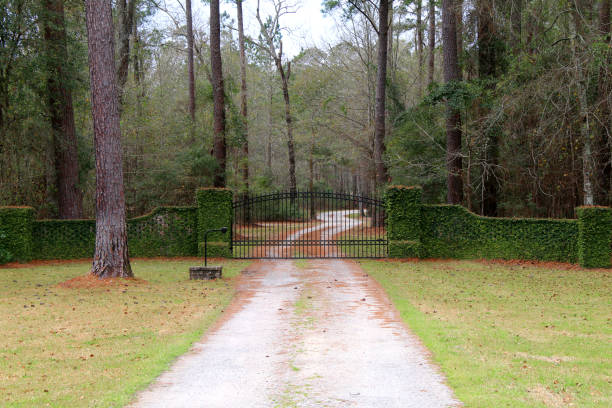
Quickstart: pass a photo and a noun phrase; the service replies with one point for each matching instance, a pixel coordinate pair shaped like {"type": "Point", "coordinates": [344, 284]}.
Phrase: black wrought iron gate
{"type": "Point", "coordinates": [295, 225]}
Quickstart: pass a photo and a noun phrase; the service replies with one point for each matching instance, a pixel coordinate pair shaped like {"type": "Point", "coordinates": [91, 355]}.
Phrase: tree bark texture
{"type": "Point", "coordinates": [126, 21]}
{"type": "Point", "coordinates": [289, 120]}
{"type": "Point", "coordinates": [487, 70]}
{"type": "Point", "coordinates": [419, 45]}
{"type": "Point", "coordinates": [70, 197]}
{"type": "Point", "coordinates": [243, 100]}
{"type": "Point", "coordinates": [191, 79]}
{"type": "Point", "coordinates": [381, 87]}
{"type": "Point", "coordinates": [219, 149]}
{"type": "Point", "coordinates": [603, 158]}
{"type": "Point", "coordinates": [432, 40]}
{"type": "Point", "coordinates": [454, 181]}
{"type": "Point", "coordinates": [581, 90]}
{"type": "Point", "coordinates": [111, 252]}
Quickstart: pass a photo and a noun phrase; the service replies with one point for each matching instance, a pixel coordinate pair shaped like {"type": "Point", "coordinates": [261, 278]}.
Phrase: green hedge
{"type": "Point", "coordinates": [595, 226]}
{"type": "Point", "coordinates": [215, 211]}
{"type": "Point", "coordinates": [451, 231]}
{"type": "Point", "coordinates": [167, 231]}
{"type": "Point", "coordinates": [403, 221]}
{"type": "Point", "coordinates": [64, 239]}
{"type": "Point", "coordinates": [16, 228]}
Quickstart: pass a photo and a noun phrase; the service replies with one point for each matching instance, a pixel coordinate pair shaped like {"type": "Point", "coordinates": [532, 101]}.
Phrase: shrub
{"type": "Point", "coordinates": [595, 226]}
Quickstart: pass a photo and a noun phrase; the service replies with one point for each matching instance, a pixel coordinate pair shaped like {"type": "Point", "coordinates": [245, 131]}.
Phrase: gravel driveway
{"type": "Point", "coordinates": [304, 334]}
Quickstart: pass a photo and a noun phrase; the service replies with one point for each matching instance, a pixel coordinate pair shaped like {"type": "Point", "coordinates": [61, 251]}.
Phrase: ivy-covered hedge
{"type": "Point", "coordinates": [16, 230]}
{"type": "Point", "coordinates": [403, 222]}
{"type": "Point", "coordinates": [215, 211]}
{"type": "Point", "coordinates": [451, 231]}
{"type": "Point", "coordinates": [595, 226]}
{"type": "Point", "coordinates": [167, 231]}
{"type": "Point", "coordinates": [63, 239]}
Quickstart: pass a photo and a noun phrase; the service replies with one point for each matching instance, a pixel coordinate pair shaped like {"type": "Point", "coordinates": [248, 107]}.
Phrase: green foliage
{"type": "Point", "coordinates": [265, 211]}
{"type": "Point", "coordinates": [414, 151]}
{"type": "Point", "coordinates": [167, 231]}
{"type": "Point", "coordinates": [16, 227]}
{"type": "Point", "coordinates": [403, 206]}
{"type": "Point", "coordinates": [215, 249]}
{"type": "Point", "coordinates": [595, 232]}
{"type": "Point", "coordinates": [214, 211]}
{"type": "Point", "coordinates": [5, 255]}
{"type": "Point", "coordinates": [451, 231]}
{"type": "Point", "coordinates": [64, 239]}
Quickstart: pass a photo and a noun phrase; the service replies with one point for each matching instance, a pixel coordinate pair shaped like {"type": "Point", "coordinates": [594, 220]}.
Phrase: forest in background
{"type": "Point", "coordinates": [529, 104]}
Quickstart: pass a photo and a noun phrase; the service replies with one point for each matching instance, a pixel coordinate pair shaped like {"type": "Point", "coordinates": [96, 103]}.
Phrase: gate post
{"type": "Point", "coordinates": [403, 221]}
{"type": "Point", "coordinates": [215, 211]}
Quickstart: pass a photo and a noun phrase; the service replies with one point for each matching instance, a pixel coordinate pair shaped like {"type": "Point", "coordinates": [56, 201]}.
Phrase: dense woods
{"type": "Point", "coordinates": [502, 106]}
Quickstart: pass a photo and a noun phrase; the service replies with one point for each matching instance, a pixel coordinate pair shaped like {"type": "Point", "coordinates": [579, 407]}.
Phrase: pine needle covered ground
{"type": "Point", "coordinates": [82, 345]}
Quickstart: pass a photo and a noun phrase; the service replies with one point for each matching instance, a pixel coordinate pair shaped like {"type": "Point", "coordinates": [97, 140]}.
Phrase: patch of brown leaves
{"type": "Point", "coordinates": [90, 281]}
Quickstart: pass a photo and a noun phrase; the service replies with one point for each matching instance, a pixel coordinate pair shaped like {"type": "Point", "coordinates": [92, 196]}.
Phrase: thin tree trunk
{"type": "Point", "coordinates": [313, 214]}
{"type": "Point", "coordinates": [111, 257]}
{"type": "Point", "coordinates": [191, 79]}
{"type": "Point", "coordinates": [126, 20]}
{"type": "Point", "coordinates": [289, 122]}
{"type": "Point", "coordinates": [581, 85]}
{"type": "Point", "coordinates": [419, 47]}
{"type": "Point", "coordinates": [487, 70]}
{"type": "Point", "coordinates": [453, 116]}
{"type": "Point", "coordinates": [219, 149]}
{"type": "Point", "coordinates": [70, 198]}
{"type": "Point", "coordinates": [243, 100]}
{"type": "Point", "coordinates": [381, 86]}
{"type": "Point", "coordinates": [269, 135]}
{"type": "Point", "coordinates": [432, 40]}
{"type": "Point", "coordinates": [603, 159]}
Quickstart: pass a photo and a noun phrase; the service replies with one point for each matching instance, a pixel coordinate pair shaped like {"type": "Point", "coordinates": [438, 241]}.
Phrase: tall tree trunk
{"type": "Point", "coordinates": [487, 70]}
{"type": "Point", "coordinates": [70, 198]}
{"type": "Point", "coordinates": [603, 159]}
{"type": "Point", "coordinates": [419, 47]}
{"type": "Point", "coordinates": [459, 11]}
{"type": "Point", "coordinates": [432, 40]}
{"type": "Point", "coordinates": [289, 121]}
{"type": "Point", "coordinates": [581, 90]}
{"type": "Point", "coordinates": [111, 253]}
{"type": "Point", "coordinates": [126, 20]}
{"type": "Point", "coordinates": [219, 150]}
{"type": "Point", "coordinates": [381, 87]}
{"type": "Point", "coordinates": [269, 134]}
{"type": "Point", "coordinates": [454, 182]}
{"type": "Point", "coordinates": [243, 100]}
{"type": "Point", "coordinates": [191, 79]}
{"type": "Point", "coordinates": [313, 213]}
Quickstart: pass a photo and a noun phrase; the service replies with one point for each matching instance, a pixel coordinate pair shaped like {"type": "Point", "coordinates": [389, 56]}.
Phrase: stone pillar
{"type": "Point", "coordinates": [215, 211]}
{"type": "Point", "coordinates": [16, 225]}
{"type": "Point", "coordinates": [403, 221]}
{"type": "Point", "coordinates": [594, 235]}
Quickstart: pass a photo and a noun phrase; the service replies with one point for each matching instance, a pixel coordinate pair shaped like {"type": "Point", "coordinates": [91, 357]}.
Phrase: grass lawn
{"type": "Point", "coordinates": [510, 336]}
{"type": "Point", "coordinates": [95, 347]}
